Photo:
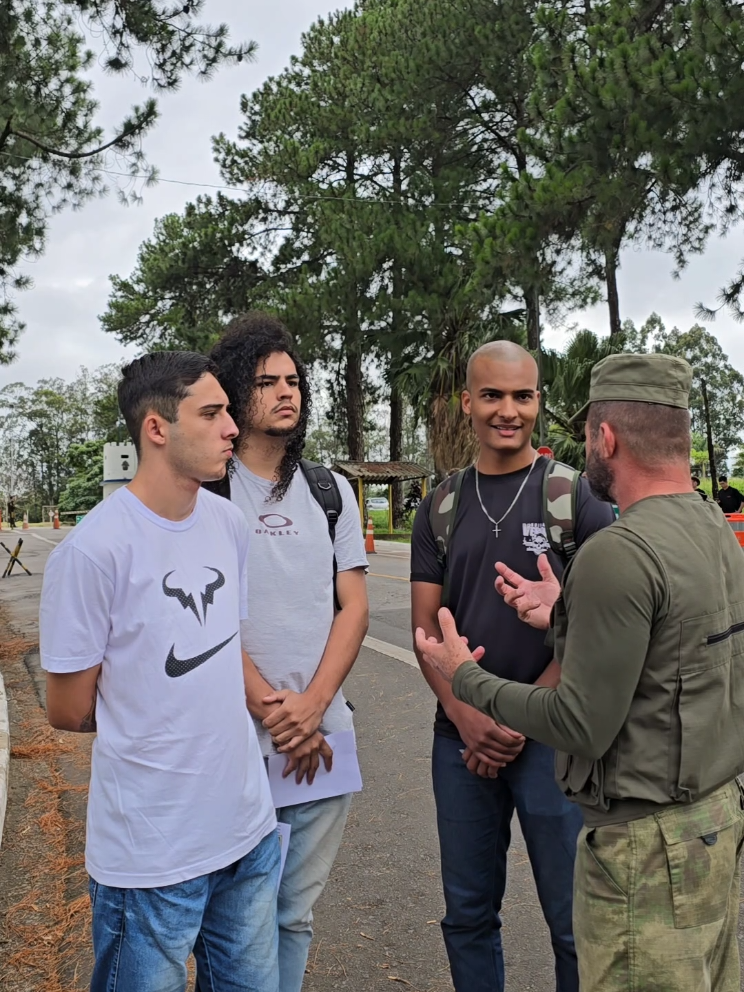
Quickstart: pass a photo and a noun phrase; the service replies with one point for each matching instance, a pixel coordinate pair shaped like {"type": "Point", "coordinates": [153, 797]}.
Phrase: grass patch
{"type": "Point", "coordinates": [381, 521]}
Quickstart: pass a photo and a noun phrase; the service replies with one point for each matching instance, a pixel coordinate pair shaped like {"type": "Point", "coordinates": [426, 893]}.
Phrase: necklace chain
{"type": "Point", "coordinates": [511, 505]}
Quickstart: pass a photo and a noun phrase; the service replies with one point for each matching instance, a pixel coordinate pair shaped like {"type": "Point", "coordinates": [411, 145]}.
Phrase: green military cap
{"type": "Point", "coordinates": [655, 378]}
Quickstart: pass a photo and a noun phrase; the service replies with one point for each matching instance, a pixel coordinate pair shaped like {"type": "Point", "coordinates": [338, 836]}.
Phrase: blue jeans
{"type": "Point", "coordinates": [142, 938]}
{"type": "Point", "coordinates": [474, 823]}
{"type": "Point", "coordinates": [317, 829]}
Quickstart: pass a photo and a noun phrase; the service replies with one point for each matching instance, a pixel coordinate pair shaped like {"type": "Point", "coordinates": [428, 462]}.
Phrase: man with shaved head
{"type": "Point", "coordinates": [482, 770]}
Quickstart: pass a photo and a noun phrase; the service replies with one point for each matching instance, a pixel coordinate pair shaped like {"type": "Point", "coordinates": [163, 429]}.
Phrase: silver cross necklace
{"type": "Point", "coordinates": [496, 523]}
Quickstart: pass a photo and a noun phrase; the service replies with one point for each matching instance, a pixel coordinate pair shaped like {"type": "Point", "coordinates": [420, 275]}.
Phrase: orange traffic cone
{"type": "Point", "coordinates": [56, 520]}
{"type": "Point", "coordinates": [25, 521]}
{"type": "Point", "coordinates": [369, 543]}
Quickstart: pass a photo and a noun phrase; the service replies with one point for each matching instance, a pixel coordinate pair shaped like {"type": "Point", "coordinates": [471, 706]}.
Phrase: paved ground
{"type": "Point", "coordinates": [378, 920]}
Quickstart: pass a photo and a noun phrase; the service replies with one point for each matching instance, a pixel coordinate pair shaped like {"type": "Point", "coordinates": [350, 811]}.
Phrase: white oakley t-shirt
{"type": "Point", "coordinates": [178, 787]}
{"type": "Point", "coordinates": [290, 594]}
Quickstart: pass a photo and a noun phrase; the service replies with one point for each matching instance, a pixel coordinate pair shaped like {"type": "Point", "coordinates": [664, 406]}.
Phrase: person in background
{"type": "Point", "coordinates": [729, 498]}
{"type": "Point", "coordinates": [696, 486]}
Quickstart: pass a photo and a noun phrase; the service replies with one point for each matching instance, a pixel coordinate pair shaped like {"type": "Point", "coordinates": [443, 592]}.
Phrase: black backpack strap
{"type": "Point", "coordinates": [324, 488]}
{"type": "Point", "coordinates": [442, 515]}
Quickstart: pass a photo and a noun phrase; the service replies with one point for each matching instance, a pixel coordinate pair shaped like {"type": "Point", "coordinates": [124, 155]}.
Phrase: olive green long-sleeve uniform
{"type": "Point", "coordinates": [648, 721]}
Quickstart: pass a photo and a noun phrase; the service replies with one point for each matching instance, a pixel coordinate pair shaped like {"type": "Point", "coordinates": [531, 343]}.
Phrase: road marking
{"type": "Point", "coordinates": [381, 575]}
{"type": "Point", "coordinates": [391, 650]}
{"type": "Point", "coordinates": [44, 539]}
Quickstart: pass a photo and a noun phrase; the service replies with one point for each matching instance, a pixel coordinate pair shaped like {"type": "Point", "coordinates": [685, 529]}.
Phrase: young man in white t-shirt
{"type": "Point", "coordinates": [300, 648]}
{"type": "Point", "coordinates": [140, 636]}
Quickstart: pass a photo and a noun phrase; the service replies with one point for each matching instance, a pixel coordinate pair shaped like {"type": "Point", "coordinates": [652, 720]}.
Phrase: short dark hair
{"type": "Point", "coordinates": [722, 478]}
{"type": "Point", "coordinates": [654, 433]}
{"type": "Point", "coordinates": [158, 381]}
{"type": "Point", "coordinates": [696, 480]}
{"type": "Point", "coordinates": [248, 340]}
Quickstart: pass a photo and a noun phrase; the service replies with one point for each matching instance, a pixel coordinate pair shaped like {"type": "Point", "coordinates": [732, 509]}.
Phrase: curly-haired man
{"type": "Point", "coordinates": [300, 648]}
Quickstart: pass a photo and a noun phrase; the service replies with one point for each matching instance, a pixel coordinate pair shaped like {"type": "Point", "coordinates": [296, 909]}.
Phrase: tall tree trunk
{"type": "Point", "coordinates": [532, 306]}
{"type": "Point", "coordinates": [354, 398]}
{"type": "Point", "coordinates": [452, 442]}
{"type": "Point", "coordinates": [396, 325]}
{"type": "Point", "coordinates": [353, 351]}
{"type": "Point", "coordinates": [396, 450]}
{"type": "Point", "coordinates": [613, 297]}
{"type": "Point", "coordinates": [709, 435]}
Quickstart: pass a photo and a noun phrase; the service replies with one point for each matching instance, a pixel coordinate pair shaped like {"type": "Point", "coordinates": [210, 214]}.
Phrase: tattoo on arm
{"type": "Point", "coordinates": [88, 723]}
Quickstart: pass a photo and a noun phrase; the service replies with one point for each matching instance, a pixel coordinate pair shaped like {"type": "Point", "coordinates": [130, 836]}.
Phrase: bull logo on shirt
{"type": "Point", "coordinates": [187, 600]}
{"type": "Point", "coordinates": [175, 667]}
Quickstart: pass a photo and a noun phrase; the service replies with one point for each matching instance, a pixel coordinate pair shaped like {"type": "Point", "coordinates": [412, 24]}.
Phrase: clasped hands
{"type": "Point", "coordinates": [294, 728]}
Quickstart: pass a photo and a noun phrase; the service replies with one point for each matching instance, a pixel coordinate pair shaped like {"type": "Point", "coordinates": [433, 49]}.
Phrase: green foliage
{"type": "Point", "coordinates": [699, 461]}
{"type": "Point", "coordinates": [83, 489]}
{"type": "Point", "coordinates": [566, 381]}
{"type": "Point", "coordinates": [52, 151]}
{"type": "Point", "coordinates": [192, 275]}
{"type": "Point", "coordinates": [738, 465]}
{"type": "Point", "coordinates": [42, 429]}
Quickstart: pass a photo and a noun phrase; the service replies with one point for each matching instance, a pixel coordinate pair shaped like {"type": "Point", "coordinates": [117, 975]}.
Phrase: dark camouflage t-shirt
{"type": "Point", "coordinates": [514, 650]}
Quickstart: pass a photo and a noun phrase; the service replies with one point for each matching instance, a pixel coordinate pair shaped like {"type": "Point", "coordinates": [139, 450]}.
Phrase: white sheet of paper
{"type": "Point", "coordinates": [284, 830]}
{"type": "Point", "coordinates": [343, 778]}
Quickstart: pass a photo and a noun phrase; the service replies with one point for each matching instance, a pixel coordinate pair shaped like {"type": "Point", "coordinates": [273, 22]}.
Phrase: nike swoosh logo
{"type": "Point", "coordinates": [175, 667]}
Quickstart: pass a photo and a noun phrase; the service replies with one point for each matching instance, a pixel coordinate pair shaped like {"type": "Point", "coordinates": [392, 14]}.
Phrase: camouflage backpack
{"type": "Point", "coordinates": [560, 484]}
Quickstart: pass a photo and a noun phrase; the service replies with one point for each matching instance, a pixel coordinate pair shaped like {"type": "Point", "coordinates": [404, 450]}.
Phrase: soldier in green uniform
{"type": "Point", "coordinates": [648, 717]}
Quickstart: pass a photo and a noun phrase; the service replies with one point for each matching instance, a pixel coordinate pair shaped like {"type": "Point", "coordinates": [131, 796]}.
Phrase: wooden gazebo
{"type": "Point", "coordinates": [381, 474]}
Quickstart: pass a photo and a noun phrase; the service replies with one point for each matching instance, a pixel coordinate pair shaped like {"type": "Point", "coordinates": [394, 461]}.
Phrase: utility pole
{"type": "Point", "coordinates": [709, 434]}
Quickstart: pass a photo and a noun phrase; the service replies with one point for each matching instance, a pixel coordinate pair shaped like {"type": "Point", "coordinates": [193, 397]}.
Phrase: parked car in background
{"type": "Point", "coordinates": [377, 503]}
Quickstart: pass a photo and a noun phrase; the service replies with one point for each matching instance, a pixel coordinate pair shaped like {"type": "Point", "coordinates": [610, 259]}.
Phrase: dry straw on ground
{"type": "Point", "coordinates": [46, 929]}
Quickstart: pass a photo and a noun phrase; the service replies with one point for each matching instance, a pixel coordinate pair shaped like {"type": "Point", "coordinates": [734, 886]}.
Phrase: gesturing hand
{"type": "Point", "coordinates": [533, 601]}
{"type": "Point", "coordinates": [447, 655]}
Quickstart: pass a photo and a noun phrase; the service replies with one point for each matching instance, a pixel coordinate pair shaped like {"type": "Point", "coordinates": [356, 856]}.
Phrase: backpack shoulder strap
{"type": "Point", "coordinates": [442, 515]}
{"type": "Point", "coordinates": [325, 491]}
{"type": "Point", "coordinates": [560, 485]}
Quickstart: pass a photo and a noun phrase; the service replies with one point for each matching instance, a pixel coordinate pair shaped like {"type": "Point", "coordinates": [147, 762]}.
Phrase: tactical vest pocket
{"type": "Point", "coordinates": [581, 777]}
{"type": "Point", "coordinates": [701, 844]}
{"type": "Point", "coordinates": [711, 742]}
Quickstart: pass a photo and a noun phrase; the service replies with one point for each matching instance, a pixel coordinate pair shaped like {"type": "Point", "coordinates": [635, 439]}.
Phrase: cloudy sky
{"type": "Point", "coordinates": [71, 281]}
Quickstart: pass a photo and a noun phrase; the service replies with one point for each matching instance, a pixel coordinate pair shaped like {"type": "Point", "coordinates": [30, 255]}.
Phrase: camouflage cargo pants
{"type": "Point", "coordinates": [656, 900]}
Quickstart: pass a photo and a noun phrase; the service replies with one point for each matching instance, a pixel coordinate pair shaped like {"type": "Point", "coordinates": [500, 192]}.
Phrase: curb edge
{"type": "Point", "coordinates": [4, 755]}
